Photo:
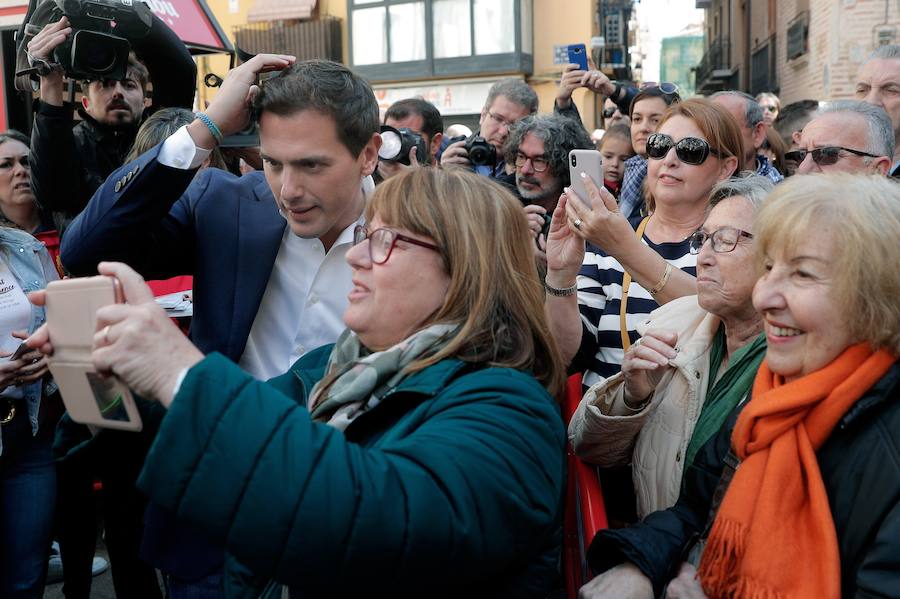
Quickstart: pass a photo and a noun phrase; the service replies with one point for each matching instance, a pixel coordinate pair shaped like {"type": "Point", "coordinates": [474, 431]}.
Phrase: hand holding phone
{"type": "Point", "coordinates": [90, 397]}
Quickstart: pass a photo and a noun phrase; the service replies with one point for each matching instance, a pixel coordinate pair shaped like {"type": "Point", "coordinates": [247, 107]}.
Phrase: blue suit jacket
{"type": "Point", "coordinates": [222, 229]}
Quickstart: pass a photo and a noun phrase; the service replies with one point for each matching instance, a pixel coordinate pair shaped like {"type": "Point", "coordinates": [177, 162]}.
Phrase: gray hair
{"type": "Point", "coordinates": [881, 131]}
{"type": "Point", "coordinates": [885, 52]}
{"type": "Point", "coordinates": [560, 134]}
{"type": "Point", "coordinates": [753, 111]}
{"type": "Point", "coordinates": [516, 91]}
{"type": "Point", "coordinates": [755, 188]}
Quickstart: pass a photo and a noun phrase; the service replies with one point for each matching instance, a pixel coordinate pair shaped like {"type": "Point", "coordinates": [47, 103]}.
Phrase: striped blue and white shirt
{"type": "Point", "coordinates": [599, 299]}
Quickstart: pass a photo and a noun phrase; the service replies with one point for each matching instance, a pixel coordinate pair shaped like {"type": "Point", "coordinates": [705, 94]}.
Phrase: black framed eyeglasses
{"type": "Point", "coordinates": [538, 163]}
{"type": "Point", "coordinates": [665, 87]}
{"type": "Point", "coordinates": [724, 240]}
{"type": "Point", "coordinates": [382, 242]}
{"type": "Point", "coordinates": [608, 112]}
{"type": "Point", "coordinates": [690, 150]}
{"type": "Point", "coordinates": [824, 156]}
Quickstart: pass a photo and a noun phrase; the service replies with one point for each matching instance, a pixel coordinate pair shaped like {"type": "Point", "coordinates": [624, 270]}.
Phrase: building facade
{"type": "Point", "coordinates": [798, 49]}
{"type": "Point", "coordinates": [448, 51]}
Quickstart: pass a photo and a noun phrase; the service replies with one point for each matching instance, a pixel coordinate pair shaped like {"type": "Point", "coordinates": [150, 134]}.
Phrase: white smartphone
{"type": "Point", "coordinates": [589, 162]}
{"type": "Point", "coordinates": [90, 397]}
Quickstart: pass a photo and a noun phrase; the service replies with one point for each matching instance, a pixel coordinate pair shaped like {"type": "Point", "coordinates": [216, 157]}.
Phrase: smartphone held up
{"type": "Point", "coordinates": [590, 163]}
{"type": "Point", "coordinates": [90, 397]}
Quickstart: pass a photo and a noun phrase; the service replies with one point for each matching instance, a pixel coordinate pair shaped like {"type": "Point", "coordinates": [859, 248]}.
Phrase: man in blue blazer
{"type": "Point", "coordinates": [266, 250]}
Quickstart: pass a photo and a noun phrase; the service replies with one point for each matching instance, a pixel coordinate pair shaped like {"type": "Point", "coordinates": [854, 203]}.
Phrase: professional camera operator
{"type": "Point", "coordinates": [508, 101]}
{"type": "Point", "coordinates": [70, 163]}
{"type": "Point", "coordinates": [421, 119]}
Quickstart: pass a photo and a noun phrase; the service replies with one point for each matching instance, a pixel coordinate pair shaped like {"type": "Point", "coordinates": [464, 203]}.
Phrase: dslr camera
{"type": "Point", "coordinates": [481, 153]}
{"type": "Point", "coordinates": [397, 143]}
{"type": "Point", "coordinates": [101, 32]}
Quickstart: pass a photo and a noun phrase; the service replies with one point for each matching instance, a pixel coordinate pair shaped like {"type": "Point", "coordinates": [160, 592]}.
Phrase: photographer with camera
{"type": "Point", "coordinates": [70, 162]}
{"type": "Point", "coordinates": [411, 136]}
{"type": "Point", "coordinates": [508, 101]}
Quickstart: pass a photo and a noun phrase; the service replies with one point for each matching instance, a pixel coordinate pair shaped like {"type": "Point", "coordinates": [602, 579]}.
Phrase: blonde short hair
{"type": "Point", "coordinates": [495, 294]}
{"type": "Point", "coordinates": [862, 215]}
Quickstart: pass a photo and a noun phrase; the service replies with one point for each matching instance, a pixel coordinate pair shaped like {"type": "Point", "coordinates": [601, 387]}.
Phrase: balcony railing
{"type": "Point", "coordinates": [320, 38]}
{"type": "Point", "coordinates": [715, 64]}
{"type": "Point", "coordinates": [762, 68]}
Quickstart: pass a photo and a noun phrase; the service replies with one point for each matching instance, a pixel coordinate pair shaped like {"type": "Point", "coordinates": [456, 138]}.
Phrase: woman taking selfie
{"type": "Point", "coordinates": [808, 470]}
{"type": "Point", "coordinates": [421, 453]}
{"type": "Point", "coordinates": [695, 147]}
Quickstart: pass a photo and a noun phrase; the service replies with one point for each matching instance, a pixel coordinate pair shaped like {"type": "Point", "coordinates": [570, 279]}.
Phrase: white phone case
{"type": "Point", "coordinates": [589, 162]}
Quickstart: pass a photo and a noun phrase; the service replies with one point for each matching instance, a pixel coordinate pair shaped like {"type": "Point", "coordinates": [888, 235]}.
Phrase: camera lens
{"type": "Point", "coordinates": [574, 161]}
{"type": "Point", "coordinates": [391, 145]}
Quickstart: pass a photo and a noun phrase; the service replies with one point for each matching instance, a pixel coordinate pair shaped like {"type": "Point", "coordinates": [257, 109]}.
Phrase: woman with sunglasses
{"type": "Point", "coordinates": [423, 453]}
{"type": "Point", "coordinates": [591, 246]}
{"type": "Point", "coordinates": [695, 361]}
{"type": "Point", "coordinates": [798, 494]}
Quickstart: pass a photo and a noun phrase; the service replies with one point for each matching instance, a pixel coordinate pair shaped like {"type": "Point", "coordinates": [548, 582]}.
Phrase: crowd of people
{"type": "Point", "coordinates": [366, 400]}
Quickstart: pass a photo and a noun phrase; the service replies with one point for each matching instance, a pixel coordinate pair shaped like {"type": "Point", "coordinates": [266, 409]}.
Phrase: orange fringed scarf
{"type": "Point", "coordinates": [775, 513]}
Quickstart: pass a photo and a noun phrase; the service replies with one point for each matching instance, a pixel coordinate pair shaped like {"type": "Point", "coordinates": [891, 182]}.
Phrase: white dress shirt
{"type": "Point", "coordinates": [303, 305]}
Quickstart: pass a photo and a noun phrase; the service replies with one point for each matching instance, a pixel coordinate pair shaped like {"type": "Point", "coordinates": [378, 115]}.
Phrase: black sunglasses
{"type": "Point", "coordinates": [823, 156]}
{"type": "Point", "coordinates": [690, 150]}
{"type": "Point", "coordinates": [608, 112]}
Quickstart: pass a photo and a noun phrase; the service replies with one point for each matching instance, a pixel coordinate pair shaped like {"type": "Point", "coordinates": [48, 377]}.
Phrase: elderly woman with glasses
{"type": "Point", "coordinates": [605, 274]}
{"type": "Point", "coordinates": [798, 494]}
{"type": "Point", "coordinates": [695, 362]}
{"type": "Point", "coordinates": [422, 453]}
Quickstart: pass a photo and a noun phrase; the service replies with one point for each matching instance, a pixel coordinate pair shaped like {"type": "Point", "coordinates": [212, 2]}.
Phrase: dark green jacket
{"type": "Point", "coordinates": [452, 485]}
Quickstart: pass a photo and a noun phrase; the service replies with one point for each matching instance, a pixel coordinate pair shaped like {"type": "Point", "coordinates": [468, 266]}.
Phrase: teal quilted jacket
{"type": "Point", "coordinates": [451, 486]}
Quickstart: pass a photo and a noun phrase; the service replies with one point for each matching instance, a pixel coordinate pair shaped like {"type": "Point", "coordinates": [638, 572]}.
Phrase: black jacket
{"type": "Point", "coordinates": [860, 465]}
{"type": "Point", "coordinates": [69, 163]}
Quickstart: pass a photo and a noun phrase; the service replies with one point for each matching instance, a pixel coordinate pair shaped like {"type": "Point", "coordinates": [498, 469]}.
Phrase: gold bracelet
{"type": "Point", "coordinates": [662, 282]}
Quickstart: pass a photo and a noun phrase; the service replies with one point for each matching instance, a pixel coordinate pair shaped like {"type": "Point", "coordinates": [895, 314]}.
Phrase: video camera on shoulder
{"type": "Point", "coordinates": [396, 145]}
{"type": "Point", "coordinates": [101, 32]}
{"type": "Point", "coordinates": [480, 151]}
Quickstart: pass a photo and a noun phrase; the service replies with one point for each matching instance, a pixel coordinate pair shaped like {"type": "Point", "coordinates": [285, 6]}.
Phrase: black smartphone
{"type": "Point", "coordinates": [20, 351]}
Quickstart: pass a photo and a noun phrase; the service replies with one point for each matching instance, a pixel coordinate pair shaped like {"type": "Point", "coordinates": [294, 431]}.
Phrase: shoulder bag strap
{"type": "Point", "coordinates": [626, 283]}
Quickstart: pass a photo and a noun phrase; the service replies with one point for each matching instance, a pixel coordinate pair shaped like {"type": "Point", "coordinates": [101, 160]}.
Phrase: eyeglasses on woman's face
{"type": "Point", "coordinates": [382, 242]}
{"type": "Point", "coordinates": [723, 240]}
{"type": "Point", "coordinates": [608, 112]}
{"type": "Point", "coordinates": [826, 156]}
{"type": "Point", "coordinates": [690, 150]}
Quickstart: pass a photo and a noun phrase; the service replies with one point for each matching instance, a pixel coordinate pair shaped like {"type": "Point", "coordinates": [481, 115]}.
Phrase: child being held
{"type": "Point", "coordinates": [615, 148]}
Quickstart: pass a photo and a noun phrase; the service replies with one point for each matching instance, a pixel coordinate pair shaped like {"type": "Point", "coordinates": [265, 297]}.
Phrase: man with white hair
{"type": "Point", "coordinates": [846, 135]}
{"type": "Point", "coordinates": [879, 83]}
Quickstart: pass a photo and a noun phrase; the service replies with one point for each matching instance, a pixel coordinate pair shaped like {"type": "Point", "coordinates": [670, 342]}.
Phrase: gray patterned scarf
{"type": "Point", "coordinates": [362, 377]}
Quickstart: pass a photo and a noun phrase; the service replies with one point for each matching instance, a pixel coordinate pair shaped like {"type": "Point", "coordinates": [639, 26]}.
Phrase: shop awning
{"type": "Point", "coordinates": [191, 20]}
{"type": "Point", "coordinates": [277, 10]}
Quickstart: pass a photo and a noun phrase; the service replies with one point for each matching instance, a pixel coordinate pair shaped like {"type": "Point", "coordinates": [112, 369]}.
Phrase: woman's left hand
{"type": "Point", "coordinates": [686, 585]}
{"type": "Point", "coordinates": [137, 342]}
{"type": "Point", "coordinates": [600, 221]}
{"type": "Point", "coordinates": [35, 364]}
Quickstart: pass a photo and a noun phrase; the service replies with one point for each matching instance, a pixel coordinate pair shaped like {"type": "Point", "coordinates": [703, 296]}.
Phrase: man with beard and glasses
{"type": "Point", "coordinates": [267, 250]}
{"type": "Point", "coordinates": [69, 163]}
{"type": "Point", "coordinates": [539, 146]}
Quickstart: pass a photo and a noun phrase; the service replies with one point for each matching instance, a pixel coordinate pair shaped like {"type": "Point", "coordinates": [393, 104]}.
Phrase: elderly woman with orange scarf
{"type": "Point", "coordinates": [798, 496]}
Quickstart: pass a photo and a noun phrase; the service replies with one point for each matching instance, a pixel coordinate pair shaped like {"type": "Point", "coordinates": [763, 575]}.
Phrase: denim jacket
{"type": "Point", "coordinates": [31, 265]}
